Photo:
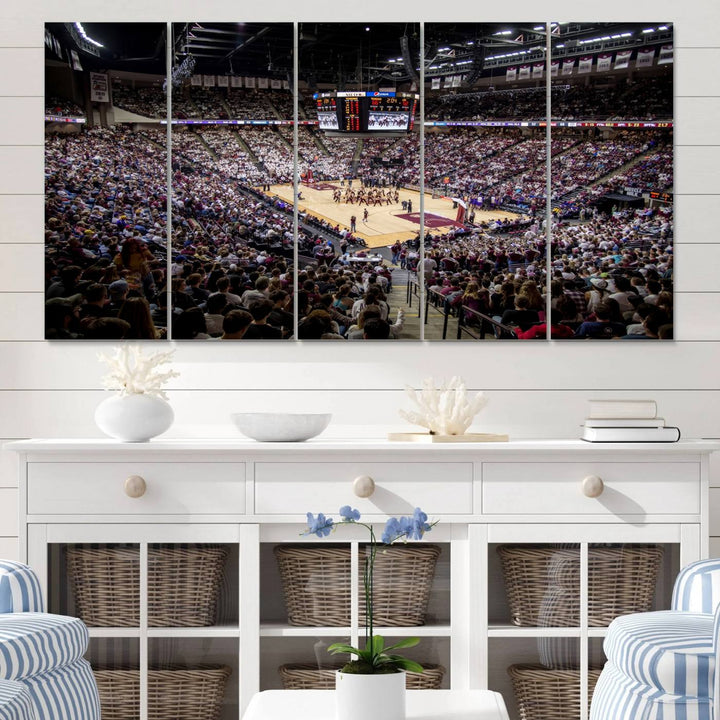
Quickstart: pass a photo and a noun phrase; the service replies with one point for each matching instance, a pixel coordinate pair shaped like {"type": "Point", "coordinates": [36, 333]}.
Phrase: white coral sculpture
{"type": "Point", "coordinates": [133, 373]}
{"type": "Point", "coordinates": [443, 410]}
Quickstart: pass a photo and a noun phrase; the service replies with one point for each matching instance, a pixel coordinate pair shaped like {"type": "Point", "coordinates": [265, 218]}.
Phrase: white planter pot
{"type": "Point", "coordinates": [134, 418]}
{"type": "Point", "coordinates": [369, 697]}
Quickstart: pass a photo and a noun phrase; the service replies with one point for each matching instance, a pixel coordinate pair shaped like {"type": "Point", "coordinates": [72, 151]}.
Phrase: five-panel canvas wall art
{"type": "Point", "coordinates": [338, 181]}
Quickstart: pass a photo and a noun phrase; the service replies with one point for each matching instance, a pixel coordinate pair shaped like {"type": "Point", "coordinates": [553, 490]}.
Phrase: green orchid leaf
{"type": "Point", "coordinates": [338, 648]}
{"type": "Point", "coordinates": [405, 643]}
{"type": "Point", "coordinates": [376, 644]}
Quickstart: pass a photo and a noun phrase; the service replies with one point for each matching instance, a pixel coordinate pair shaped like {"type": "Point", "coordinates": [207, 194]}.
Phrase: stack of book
{"type": "Point", "coordinates": [627, 421]}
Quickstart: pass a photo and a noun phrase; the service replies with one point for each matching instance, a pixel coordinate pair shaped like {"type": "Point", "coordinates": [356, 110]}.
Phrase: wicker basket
{"type": "Point", "coordinates": [543, 583]}
{"type": "Point", "coordinates": [173, 693]}
{"type": "Point", "coordinates": [310, 677]}
{"type": "Point", "coordinates": [316, 584]}
{"type": "Point", "coordinates": [183, 584]}
{"type": "Point", "coordinates": [543, 694]}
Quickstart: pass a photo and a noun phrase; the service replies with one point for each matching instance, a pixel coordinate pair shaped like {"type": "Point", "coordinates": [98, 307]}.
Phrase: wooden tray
{"type": "Point", "coordinates": [466, 438]}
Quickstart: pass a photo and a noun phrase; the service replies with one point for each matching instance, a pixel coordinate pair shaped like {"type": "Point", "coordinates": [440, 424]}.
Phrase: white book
{"type": "Point", "coordinates": [633, 434]}
{"type": "Point", "coordinates": [624, 422]}
{"type": "Point", "coordinates": [623, 409]}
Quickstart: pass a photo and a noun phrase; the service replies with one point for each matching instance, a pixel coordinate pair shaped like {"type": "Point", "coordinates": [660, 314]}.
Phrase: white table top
{"type": "Point", "coordinates": [421, 705]}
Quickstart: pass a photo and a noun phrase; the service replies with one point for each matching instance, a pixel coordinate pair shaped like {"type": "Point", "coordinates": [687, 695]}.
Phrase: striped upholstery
{"type": "Point", "coordinates": [42, 655]}
{"type": "Point", "coordinates": [67, 693]}
{"type": "Point", "coordinates": [618, 697]}
{"type": "Point", "coordinates": [15, 701]}
{"type": "Point", "coordinates": [35, 643]}
{"type": "Point", "coordinates": [19, 588]}
{"type": "Point", "coordinates": [697, 587]}
{"type": "Point", "coordinates": [668, 650]}
{"type": "Point", "coordinates": [661, 665]}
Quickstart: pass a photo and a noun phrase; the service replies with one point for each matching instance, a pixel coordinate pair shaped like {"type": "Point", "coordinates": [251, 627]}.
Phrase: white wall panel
{"type": "Point", "coordinates": [22, 318]}
{"type": "Point", "coordinates": [696, 317]}
{"type": "Point", "coordinates": [8, 467]}
{"type": "Point", "coordinates": [697, 267]}
{"type": "Point", "coordinates": [21, 219]}
{"type": "Point", "coordinates": [696, 121]}
{"type": "Point", "coordinates": [27, 266]}
{"type": "Point", "coordinates": [26, 176]}
{"type": "Point", "coordinates": [31, 81]}
{"type": "Point", "coordinates": [9, 548]}
{"type": "Point", "coordinates": [8, 512]}
{"type": "Point", "coordinates": [692, 70]}
{"type": "Point", "coordinates": [696, 218]}
{"type": "Point", "coordinates": [696, 169]}
{"type": "Point", "coordinates": [62, 365]}
{"type": "Point", "coordinates": [21, 120]}
{"type": "Point", "coordinates": [369, 413]}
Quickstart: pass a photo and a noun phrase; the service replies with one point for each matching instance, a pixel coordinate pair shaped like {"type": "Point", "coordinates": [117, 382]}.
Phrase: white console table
{"type": "Point", "coordinates": [421, 705]}
{"type": "Point", "coordinates": [252, 497]}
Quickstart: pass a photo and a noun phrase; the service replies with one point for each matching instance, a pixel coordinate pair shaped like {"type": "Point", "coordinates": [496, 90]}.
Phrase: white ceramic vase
{"type": "Point", "coordinates": [134, 418]}
{"type": "Point", "coordinates": [360, 697]}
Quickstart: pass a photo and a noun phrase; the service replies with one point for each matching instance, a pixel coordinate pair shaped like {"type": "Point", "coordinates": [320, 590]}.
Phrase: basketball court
{"type": "Point", "coordinates": [386, 223]}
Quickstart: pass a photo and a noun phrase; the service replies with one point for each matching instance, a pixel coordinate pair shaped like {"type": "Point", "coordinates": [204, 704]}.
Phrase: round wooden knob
{"type": "Point", "coordinates": [593, 486]}
{"type": "Point", "coordinates": [135, 486]}
{"type": "Point", "coordinates": [363, 486]}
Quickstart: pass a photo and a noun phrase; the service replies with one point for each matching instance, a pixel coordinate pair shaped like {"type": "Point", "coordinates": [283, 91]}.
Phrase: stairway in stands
{"type": "Point", "coordinates": [246, 148]}
{"type": "Point", "coordinates": [317, 139]}
{"type": "Point", "coordinates": [212, 153]}
{"type": "Point", "coordinates": [356, 156]}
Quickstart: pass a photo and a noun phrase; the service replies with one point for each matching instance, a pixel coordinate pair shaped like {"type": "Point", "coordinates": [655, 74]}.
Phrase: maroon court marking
{"type": "Point", "coordinates": [432, 221]}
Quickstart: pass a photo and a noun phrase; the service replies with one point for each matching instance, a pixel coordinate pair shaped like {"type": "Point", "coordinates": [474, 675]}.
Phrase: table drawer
{"type": "Point", "coordinates": [290, 488]}
{"type": "Point", "coordinates": [557, 488]}
{"type": "Point", "coordinates": [171, 488]}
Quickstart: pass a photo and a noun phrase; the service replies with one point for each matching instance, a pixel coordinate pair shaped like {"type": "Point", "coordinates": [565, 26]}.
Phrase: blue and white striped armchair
{"type": "Point", "coordinates": [43, 675]}
{"type": "Point", "coordinates": [661, 665]}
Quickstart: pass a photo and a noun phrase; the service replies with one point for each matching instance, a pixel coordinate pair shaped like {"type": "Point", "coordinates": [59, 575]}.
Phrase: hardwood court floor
{"type": "Point", "coordinates": [384, 226]}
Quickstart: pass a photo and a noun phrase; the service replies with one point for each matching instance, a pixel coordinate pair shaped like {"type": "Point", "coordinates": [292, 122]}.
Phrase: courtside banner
{"type": "Point", "coordinates": [644, 58]}
{"type": "Point", "coordinates": [537, 70]}
{"type": "Point", "coordinates": [511, 74]}
{"type": "Point", "coordinates": [622, 59]}
{"type": "Point", "coordinates": [567, 67]}
{"type": "Point", "coordinates": [99, 87]}
{"type": "Point", "coordinates": [584, 65]}
{"type": "Point", "coordinates": [604, 63]}
{"type": "Point", "coordinates": [666, 55]}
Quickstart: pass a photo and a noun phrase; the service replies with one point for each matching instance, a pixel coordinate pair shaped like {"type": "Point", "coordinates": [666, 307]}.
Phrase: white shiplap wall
{"type": "Point", "coordinates": [51, 389]}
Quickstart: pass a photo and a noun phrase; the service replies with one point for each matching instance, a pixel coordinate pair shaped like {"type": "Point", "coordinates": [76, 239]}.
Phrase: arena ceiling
{"type": "Point", "coordinates": [347, 53]}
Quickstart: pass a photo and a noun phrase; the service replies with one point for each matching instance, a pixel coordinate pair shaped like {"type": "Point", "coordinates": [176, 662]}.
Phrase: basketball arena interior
{"type": "Point", "coordinates": [393, 181]}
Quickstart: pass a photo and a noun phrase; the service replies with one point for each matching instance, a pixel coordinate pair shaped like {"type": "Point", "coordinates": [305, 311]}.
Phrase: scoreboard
{"type": "Point", "coordinates": [361, 112]}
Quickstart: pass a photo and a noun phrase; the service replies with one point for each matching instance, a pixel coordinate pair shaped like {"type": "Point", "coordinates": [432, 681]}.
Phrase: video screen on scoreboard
{"type": "Point", "coordinates": [327, 113]}
{"type": "Point", "coordinates": [328, 121]}
{"type": "Point", "coordinates": [389, 113]}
